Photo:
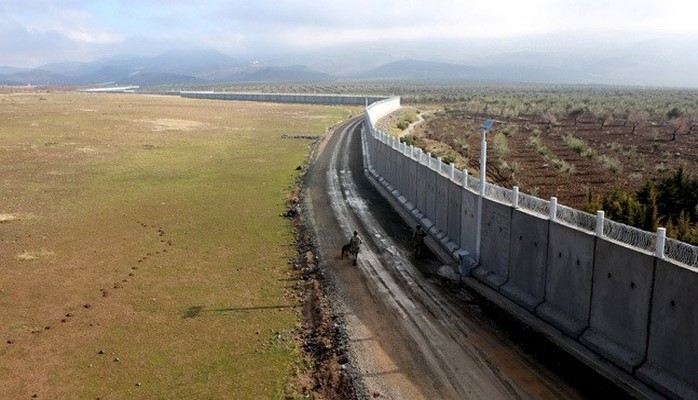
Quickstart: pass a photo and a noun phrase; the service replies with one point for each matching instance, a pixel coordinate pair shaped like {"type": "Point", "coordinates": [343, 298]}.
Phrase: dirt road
{"type": "Point", "coordinates": [410, 336]}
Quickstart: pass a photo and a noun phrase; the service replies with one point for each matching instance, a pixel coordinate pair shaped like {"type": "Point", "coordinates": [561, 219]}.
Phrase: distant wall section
{"type": "Point", "coordinates": [328, 99]}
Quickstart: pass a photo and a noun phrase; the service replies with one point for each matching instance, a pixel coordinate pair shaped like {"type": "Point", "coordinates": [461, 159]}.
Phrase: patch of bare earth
{"type": "Point", "coordinates": [322, 335]}
{"type": "Point", "coordinates": [649, 153]}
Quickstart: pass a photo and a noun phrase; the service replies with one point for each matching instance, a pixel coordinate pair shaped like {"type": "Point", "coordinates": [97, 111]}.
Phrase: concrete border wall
{"type": "Point", "coordinates": [285, 97]}
{"type": "Point", "coordinates": [626, 312]}
{"type": "Point", "coordinates": [527, 260]}
{"type": "Point", "coordinates": [673, 334]}
{"type": "Point", "coordinates": [620, 304]}
{"type": "Point", "coordinates": [570, 265]}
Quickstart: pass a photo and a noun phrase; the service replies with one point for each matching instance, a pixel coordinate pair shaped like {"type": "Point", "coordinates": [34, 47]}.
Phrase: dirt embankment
{"type": "Point", "coordinates": [321, 333]}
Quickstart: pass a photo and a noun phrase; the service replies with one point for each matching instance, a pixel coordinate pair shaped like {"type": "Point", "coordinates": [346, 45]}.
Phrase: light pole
{"type": "Point", "coordinates": [486, 127]}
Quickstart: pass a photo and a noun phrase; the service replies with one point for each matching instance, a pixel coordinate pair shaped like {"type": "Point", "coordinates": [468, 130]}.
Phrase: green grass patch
{"type": "Point", "coordinates": [168, 272]}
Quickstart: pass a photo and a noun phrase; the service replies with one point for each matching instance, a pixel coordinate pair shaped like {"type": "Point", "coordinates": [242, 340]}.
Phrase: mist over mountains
{"type": "Point", "coordinates": [669, 63]}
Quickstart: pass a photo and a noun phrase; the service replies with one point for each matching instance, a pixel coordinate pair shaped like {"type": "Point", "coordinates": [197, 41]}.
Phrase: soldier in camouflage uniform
{"type": "Point", "coordinates": [355, 244]}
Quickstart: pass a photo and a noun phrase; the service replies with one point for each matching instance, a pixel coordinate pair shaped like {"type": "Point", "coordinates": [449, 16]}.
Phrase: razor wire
{"type": "Point", "coordinates": [575, 218]}
{"type": "Point", "coordinates": [630, 235]}
{"type": "Point", "coordinates": [444, 168]}
{"type": "Point", "coordinates": [682, 252]}
{"type": "Point", "coordinates": [499, 194]}
{"type": "Point", "coordinates": [473, 183]}
{"type": "Point", "coordinates": [534, 205]}
{"type": "Point", "coordinates": [458, 176]}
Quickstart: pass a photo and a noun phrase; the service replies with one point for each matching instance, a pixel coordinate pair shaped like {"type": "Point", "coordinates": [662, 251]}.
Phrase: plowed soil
{"type": "Point", "coordinates": [647, 154]}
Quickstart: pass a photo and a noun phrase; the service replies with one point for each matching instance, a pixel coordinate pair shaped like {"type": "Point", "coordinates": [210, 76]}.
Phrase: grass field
{"type": "Point", "coordinates": [142, 252]}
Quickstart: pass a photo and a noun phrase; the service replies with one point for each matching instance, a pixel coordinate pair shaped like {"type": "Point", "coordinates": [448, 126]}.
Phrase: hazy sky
{"type": "Point", "coordinates": [34, 32]}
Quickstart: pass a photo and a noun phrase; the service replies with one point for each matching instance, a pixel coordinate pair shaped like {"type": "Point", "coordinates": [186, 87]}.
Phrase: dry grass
{"type": "Point", "coordinates": [33, 255]}
{"type": "Point", "coordinates": [151, 207]}
{"type": "Point", "coordinates": [8, 218]}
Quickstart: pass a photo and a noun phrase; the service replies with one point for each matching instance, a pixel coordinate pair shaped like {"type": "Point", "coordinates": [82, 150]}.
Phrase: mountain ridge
{"type": "Point", "coordinates": [207, 66]}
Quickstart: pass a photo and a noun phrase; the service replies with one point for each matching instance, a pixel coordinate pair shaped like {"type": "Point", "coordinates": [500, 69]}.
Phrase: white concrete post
{"type": "Point", "coordinates": [428, 160]}
{"type": "Point", "coordinates": [465, 178]}
{"type": "Point", "coordinates": [412, 152]}
{"type": "Point", "coordinates": [599, 223]}
{"type": "Point", "coordinates": [439, 163]}
{"type": "Point", "coordinates": [453, 172]}
{"type": "Point", "coordinates": [515, 197]}
{"type": "Point", "coordinates": [661, 240]}
{"type": "Point", "coordinates": [553, 208]}
{"type": "Point", "coordinates": [483, 170]}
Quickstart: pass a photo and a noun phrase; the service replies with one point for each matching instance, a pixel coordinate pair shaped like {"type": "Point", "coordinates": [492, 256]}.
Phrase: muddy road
{"type": "Point", "coordinates": [410, 335]}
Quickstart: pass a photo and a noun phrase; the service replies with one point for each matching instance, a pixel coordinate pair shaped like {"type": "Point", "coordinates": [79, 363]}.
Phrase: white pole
{"type": "Point", "coordinates": [661, 240]}
{"type": "Point", "coordinates": [553, 208]}
{"type": "Point", "coordinates": [515, 197]}
{"type": "Point", "coordinates": [599, 223]}
{"type": "Point", "coordinates": [483, 167]}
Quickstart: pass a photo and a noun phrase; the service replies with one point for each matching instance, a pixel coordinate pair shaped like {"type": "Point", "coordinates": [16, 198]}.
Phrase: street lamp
{"type": "Point", "coordinates": [486, 127]}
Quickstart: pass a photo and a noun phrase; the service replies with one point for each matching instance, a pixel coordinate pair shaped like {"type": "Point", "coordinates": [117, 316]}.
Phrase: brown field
{"type": "Point", "coordinates": [142, 252]}
{"type": "Point", "coordinates": [613, 156]}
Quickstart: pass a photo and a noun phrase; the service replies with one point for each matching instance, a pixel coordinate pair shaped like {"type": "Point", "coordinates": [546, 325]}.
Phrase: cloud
{"type": "Point", "coordinates": [83, 29]}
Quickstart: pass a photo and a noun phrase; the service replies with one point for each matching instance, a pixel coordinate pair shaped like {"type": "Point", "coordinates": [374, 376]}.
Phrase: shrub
{"type": "Point", "coordinates": [610, 163]}
{"type": "Point", "coordinates": [575, 144]}
{"type": "Point", "coordinates": [500, 144]}
{"type": "Point", "coordinates": [410, 140]}
{"type": "Point", "coordinates": [449, 158]}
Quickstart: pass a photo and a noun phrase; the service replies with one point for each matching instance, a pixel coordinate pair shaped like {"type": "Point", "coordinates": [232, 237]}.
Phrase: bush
{"type": "Point", "coordinates": [449, 158]}
{"type": "Point", "coordinates": [500, 144]}
{"type": "Point", "coordinates": [410, 140]}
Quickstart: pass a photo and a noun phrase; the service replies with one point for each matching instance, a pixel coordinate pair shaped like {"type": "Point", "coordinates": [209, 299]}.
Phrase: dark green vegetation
{"type": "Point", "coordinates": [671, 202]}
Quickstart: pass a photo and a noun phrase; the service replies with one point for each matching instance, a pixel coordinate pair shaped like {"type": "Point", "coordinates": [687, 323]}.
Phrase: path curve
{"type": "Point", "coordinates": [409, 336]}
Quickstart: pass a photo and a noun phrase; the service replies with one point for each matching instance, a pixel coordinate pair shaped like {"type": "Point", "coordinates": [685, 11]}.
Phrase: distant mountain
{"type": "Point", "coordinates": [172, 67]}
{"type": "Point", "coordinates": [158, 79]}
{"type": "Point", "coordinates": [288, 74]}
{"type": "Point", "coordinates": [439, 71]}
{"type": "Point", "coordinates": [10, 70]}
{"type": "Point", "coordinates": [34, 77]}
{"type": "Point", "coordinates": [534, 60]}
{"type": "Point", "coordinates": [422, 70]}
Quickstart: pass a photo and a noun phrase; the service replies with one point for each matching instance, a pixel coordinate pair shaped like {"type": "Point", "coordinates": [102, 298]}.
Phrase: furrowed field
{"type": "Point", "coordinates": [142, 252]}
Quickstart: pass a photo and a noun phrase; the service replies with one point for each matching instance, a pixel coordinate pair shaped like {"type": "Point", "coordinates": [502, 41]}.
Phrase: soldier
{"type": "Point", "coordinates": [418, 241]}
{"type": "Point", "coordinates": [355, 244]}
